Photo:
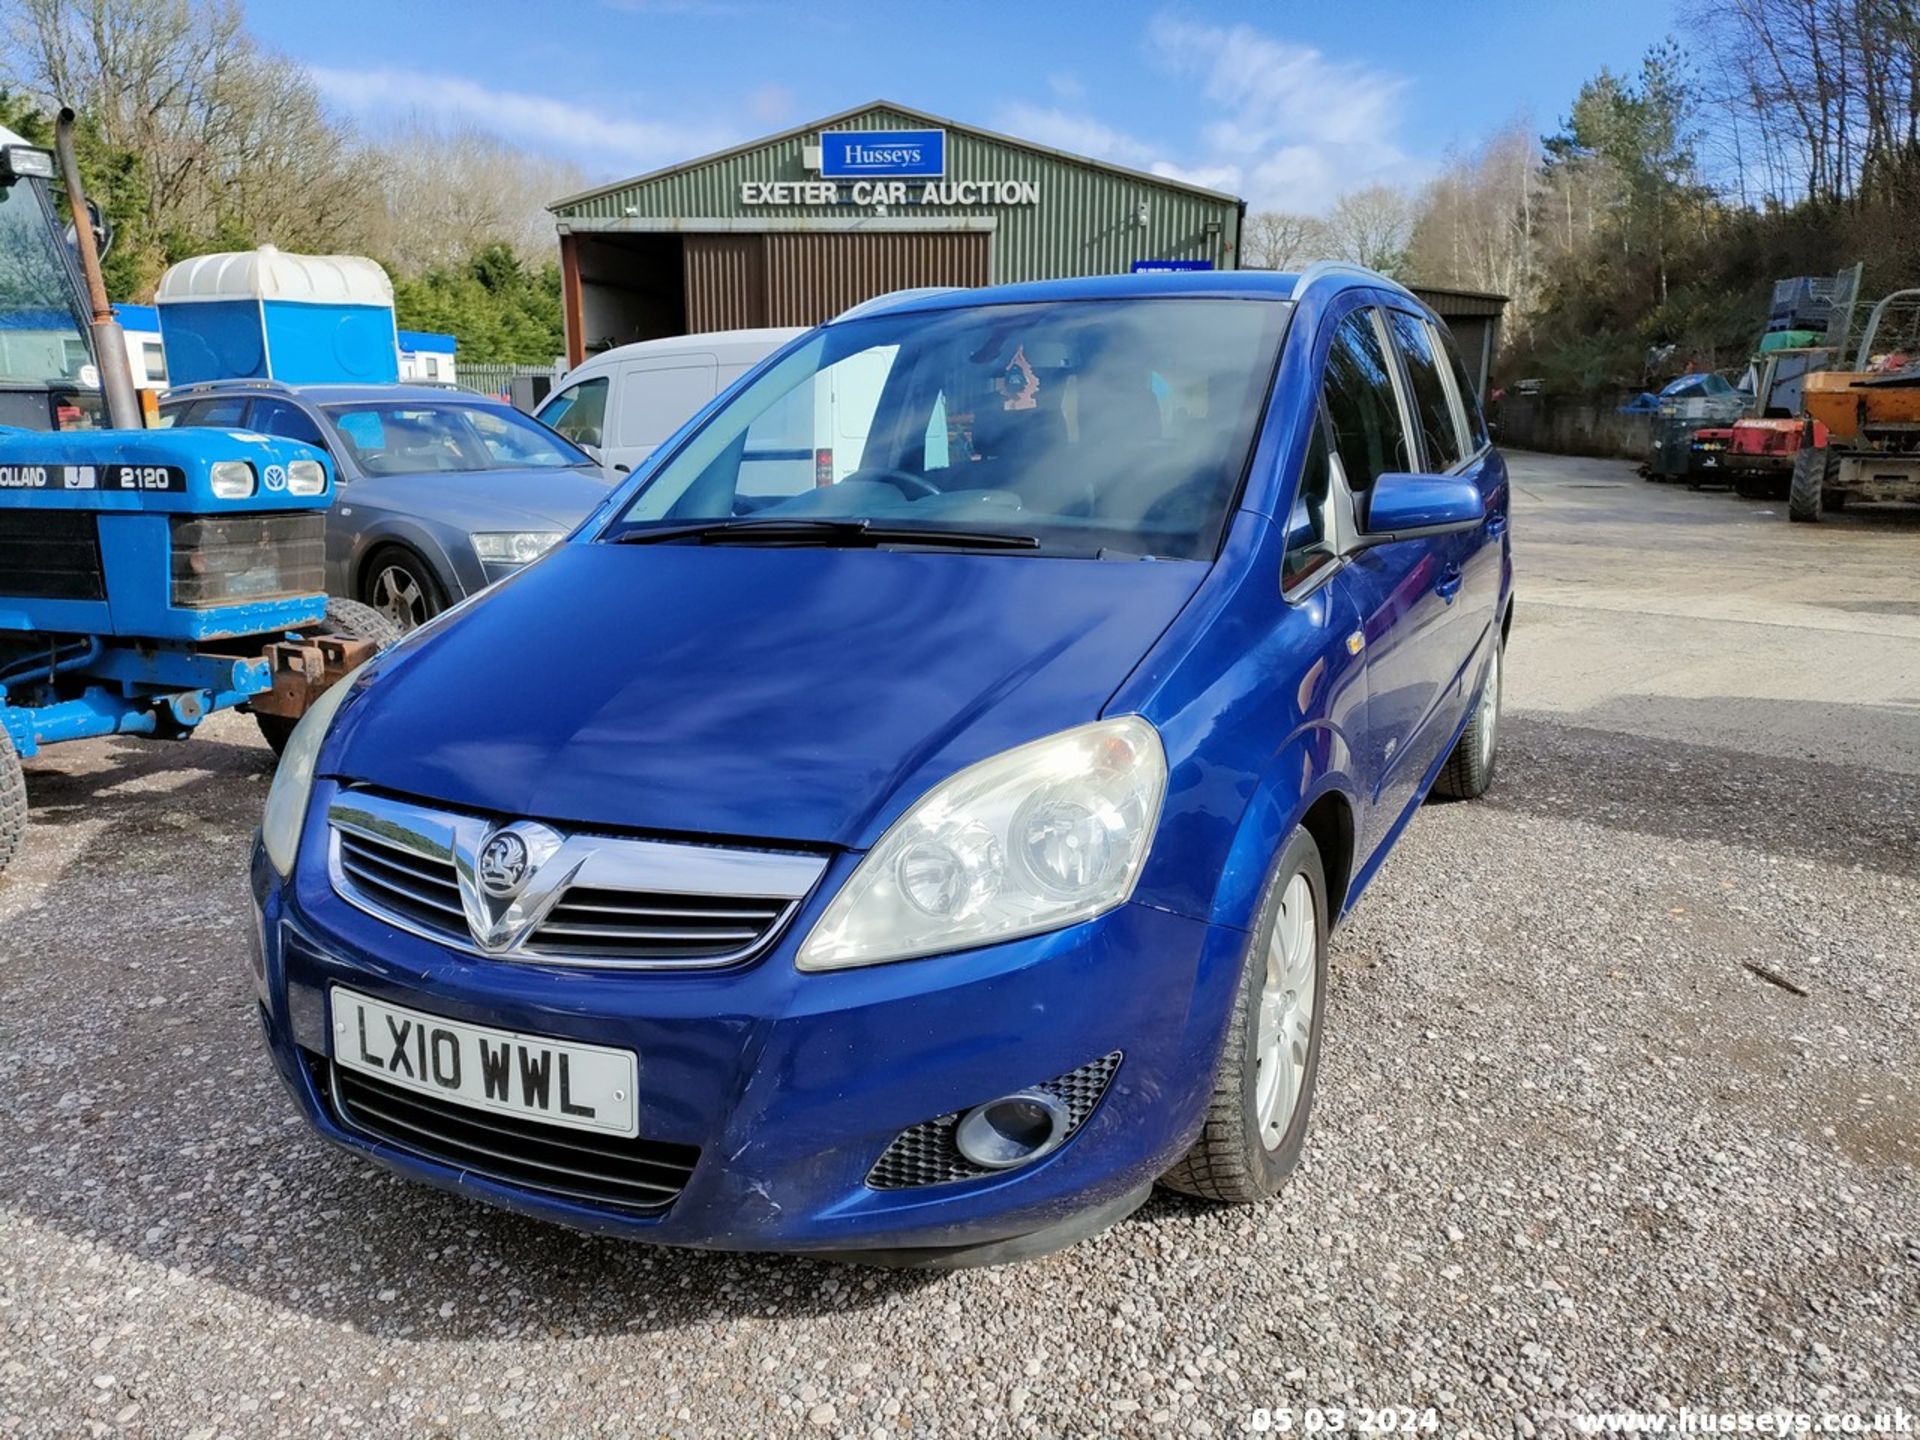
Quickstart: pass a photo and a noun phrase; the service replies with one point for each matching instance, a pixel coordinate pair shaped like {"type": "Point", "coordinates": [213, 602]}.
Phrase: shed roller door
{"type": "Point", "coordinates": [803, 279]}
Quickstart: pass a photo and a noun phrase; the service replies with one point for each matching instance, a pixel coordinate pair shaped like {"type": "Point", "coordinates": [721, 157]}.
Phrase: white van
{"type": "Point", "coordinates": [623, 402]}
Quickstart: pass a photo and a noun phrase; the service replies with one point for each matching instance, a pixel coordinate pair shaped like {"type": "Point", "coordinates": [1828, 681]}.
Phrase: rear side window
{"type": "Point", "coordinates": [1367, 433]}
{"type": "Point", "coordinates": [578, 412]}
{"type": "Point", "coordinates": [276, 417]}
{"type": "Point", "coordinates": [222, 411]}
{"type": "Point", "coordinates": [1432, 404]}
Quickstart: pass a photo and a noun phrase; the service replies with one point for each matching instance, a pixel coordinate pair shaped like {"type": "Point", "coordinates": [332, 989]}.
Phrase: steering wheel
{"type": "Point", "coordinates": [914, 487]}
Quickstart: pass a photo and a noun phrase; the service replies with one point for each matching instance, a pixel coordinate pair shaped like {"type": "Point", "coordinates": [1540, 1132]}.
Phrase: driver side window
{"type": "Point", "coordinates": [1368, 433]}
{"type": "Point", "coordinates": [578, 412]}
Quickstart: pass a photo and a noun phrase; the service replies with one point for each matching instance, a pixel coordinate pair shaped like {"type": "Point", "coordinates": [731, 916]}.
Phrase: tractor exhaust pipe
{"type": "Point", "coordinates": [109, 341]}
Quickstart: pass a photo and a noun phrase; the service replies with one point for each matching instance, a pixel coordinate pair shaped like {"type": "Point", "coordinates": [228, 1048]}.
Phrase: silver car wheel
{"type": "Point", "coordinates": [1287, 997]}
{"type": "Point", "coordinates": [398, 594]}
{"type": "Point", "coordinates": [1490, 708]}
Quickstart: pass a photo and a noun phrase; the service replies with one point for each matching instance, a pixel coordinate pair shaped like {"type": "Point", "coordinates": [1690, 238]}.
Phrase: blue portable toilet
{"type": "Point", "coordinates": [264, 314]}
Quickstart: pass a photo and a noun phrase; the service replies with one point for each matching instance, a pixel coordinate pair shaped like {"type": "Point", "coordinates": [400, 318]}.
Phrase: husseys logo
{"type": "Point", "coordinates": [876, 157]}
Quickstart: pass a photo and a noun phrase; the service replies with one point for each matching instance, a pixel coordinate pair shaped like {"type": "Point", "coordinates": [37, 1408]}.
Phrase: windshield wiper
{"type": "Point", "coordinates": [814, 530]}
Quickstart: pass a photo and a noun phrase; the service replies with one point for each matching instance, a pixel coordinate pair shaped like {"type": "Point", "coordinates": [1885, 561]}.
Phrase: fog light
{"type": "Point", "coordinates": [1014, 1130]}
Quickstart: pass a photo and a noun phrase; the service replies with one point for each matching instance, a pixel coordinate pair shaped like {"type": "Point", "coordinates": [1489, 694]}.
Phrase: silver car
{"type": "Point", "coordinates": [441, 491]}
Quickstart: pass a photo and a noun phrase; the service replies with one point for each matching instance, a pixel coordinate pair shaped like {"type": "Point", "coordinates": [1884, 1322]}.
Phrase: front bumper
{"type": "Point", "coordinates": [791, 1086]}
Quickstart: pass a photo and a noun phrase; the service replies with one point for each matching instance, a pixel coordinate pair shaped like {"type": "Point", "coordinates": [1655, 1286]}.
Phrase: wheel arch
{"type": "Point", "coordinates": [413, 540]}
{"type": "Point", "coordinates": [1299, 790]}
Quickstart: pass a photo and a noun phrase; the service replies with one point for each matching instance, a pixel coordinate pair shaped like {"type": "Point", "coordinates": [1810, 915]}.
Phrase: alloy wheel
{"type": "Point", "coordinates": [1287, 998]}
{"type": "Point", "coordinates": [1490, 709]}
{"type": "Point", "coordinates": [399, 595]}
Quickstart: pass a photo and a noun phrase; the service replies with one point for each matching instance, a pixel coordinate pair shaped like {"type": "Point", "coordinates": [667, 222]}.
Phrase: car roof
{"type": "Point", "coordinates": [1324, 278]}
{"type": "Point", "coordinates": [331, 394]}
{"type": "Point", "coordinates": [726, 346]}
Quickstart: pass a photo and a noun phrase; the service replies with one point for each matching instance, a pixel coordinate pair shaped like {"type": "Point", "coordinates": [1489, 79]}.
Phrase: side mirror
{"type": "Point", "coordinates": [1411, 507]}
{"type": "Point", "coordinates": [593, 453]}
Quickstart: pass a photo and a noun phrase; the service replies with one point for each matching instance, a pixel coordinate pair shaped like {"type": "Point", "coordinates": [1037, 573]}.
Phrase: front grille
{"type": "Point", "coordinates": [230, 559]}
{"type": "Point", "coordinates": [642, 925]}
{"type": "Point", "coordinates": [51, 555]}
{"type": "Point", "coordinates": [926, 1154]}
{"type": "Point", "coordinates": [624, 902]}
{"type": "Point", "coordinates": [641, 1176]}
{"type": "Point", "coordinates": [402, 880]}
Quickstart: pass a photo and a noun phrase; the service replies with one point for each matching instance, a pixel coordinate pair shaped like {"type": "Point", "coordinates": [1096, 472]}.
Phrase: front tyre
{"type": "Point", "coordinates": [13, 801]}
{"type": "Point", "coordinates": [1809, 483]}
{"type": "Point", "coordinates": [1468, 773]}
{"type": "Point", "coordinates": [1256, 1121]}
{"type": "Point", "coordinates": [344, 617]}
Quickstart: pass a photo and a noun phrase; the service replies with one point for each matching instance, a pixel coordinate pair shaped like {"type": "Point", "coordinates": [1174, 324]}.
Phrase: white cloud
{"type": "Point", "coordinates": [1066, 130]}
{"type": "Point", "coordinates": [605, 144]}
{"type": "Point", "coordinates": [1283, 124]}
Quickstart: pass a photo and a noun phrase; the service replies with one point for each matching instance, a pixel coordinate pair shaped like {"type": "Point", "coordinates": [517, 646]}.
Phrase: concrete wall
{"type": "Point", "coordinates": [1565, 425]}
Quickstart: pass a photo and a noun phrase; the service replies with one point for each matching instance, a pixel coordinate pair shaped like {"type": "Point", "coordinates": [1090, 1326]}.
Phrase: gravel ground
{"type": "Point", "coordinates": [1572, 1152]}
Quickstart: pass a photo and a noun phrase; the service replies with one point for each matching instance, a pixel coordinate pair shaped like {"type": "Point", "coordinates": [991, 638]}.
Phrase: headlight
{"type": "Point", "coordinates": [513, 547]}
{"type": "Point", "coordinates": [1040, 837]}
{"type": "Point", "coordinates": [231, 479]}
{"type": "Point", "coordinates": [293, 781]}
{"type": "Point", "coordinates": [306, 477]}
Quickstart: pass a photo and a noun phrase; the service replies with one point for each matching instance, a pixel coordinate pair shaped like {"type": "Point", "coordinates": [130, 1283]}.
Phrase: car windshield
{"type": "Point", "coordinates": [414, 437]}
{"type": "Point", "coordinates": [1079, 426]}
{"type": "Point", "coordinates": [40, 335]}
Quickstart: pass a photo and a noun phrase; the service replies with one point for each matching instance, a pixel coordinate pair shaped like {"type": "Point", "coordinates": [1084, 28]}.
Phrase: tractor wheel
{"type": "Point", "coordinates": [344, 617]}
{"type": "Point", "coordinates": [1809, 481]}
{"type": "Point", "coordinates": [13, 801]}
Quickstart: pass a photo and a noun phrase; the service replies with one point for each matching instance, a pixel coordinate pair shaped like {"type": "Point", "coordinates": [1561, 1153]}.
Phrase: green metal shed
{"type": "Point", "coordinates": [793, 228]}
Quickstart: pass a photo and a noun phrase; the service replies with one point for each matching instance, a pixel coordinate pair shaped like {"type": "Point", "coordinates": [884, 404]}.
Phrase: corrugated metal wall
{"type": "Point", "coordinates": [813, 277]}
{"type": "Point", "coordinates": [726, 282]}
{"type": "Point", "coordinates": [1087, 221]}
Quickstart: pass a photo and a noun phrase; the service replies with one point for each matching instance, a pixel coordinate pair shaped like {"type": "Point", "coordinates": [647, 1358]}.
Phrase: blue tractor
{"type": "Point", "coordinates": [147, 577]}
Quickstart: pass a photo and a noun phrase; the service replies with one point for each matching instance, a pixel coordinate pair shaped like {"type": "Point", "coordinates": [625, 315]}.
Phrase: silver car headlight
{"type": "Point", "coordinates": [514, 547]}
{"type": "Point", "coordinates": [293, 781]}
{"type": "Point", "coordinates": [1034, 839]}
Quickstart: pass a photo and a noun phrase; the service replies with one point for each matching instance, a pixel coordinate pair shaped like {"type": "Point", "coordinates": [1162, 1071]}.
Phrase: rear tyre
{"type": "Point", "coordinates": [1468, 773]}
{"type": "Point", "coordinates": [1256, 1121]}
{"type": "Point", "coordinates": [401, 586]}
{"type": "Point", "coordinates": [1809, 481]}
{"type": "Point", "coordinates": [13, 802]}
{"type": "Point", "coordinates": [344, 617]}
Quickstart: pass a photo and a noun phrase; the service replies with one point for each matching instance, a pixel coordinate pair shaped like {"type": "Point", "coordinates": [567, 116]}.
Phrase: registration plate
{"type": "Point", "coordinates": [584, 1087]}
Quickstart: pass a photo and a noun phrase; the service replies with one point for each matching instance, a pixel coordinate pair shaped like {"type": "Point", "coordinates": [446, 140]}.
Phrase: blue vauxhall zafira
{"type": "Point", "coordinates": [911, 861]}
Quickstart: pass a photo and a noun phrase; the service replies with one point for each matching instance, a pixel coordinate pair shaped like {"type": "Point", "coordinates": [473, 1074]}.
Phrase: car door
{"type": "Point", "coordinates": [652, 399]}
{"type": "Point", "coordinates": [1397, 590]}
{"type": "Point", "coordinates": [1470, 559]}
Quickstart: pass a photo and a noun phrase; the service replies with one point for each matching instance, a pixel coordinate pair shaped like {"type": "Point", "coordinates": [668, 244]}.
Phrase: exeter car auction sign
{"type": "Point", "coordinates": [879, 163]}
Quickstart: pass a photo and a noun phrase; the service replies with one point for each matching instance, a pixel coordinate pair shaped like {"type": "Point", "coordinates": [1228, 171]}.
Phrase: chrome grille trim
{"type": "Point", "coordinates": [593, 901]}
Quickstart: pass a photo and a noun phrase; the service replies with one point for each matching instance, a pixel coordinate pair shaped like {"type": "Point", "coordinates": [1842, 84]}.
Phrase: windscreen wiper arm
{"type": "Point", "coordinates": [818, 530]}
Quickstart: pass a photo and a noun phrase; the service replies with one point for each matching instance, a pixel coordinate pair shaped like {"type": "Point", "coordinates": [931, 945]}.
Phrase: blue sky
{"type": "Point", "coordinates": [1286, 103]}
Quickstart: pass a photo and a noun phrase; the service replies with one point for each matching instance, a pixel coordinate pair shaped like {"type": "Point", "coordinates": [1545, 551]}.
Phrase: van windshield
{"type": "Point", "coordinates": [1085, 425]}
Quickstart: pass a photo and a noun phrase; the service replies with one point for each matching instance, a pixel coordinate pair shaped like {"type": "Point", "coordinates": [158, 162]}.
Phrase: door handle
{"type": "Point", "coordinates": [1496, 526]}
{"type": "Point", "coordinates": [1448, 585]}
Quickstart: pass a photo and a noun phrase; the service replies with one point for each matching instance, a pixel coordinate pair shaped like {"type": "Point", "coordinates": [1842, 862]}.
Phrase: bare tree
{"type": "Point", "coordinates": [1371, 227]}
{"type": "Point", "coordinates": [1478, 224]}
{"type": "Point", "coordinates": [444, 195]}
{"type": "Point", "coordinates": [1281, 240]}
